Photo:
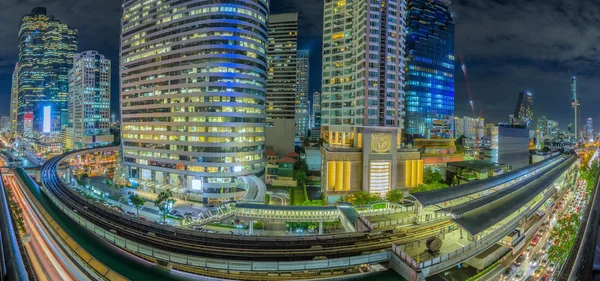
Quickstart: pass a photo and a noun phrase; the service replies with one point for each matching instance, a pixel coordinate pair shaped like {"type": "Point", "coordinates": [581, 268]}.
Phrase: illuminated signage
{"type": "Point", "coordinates": [47, 119]}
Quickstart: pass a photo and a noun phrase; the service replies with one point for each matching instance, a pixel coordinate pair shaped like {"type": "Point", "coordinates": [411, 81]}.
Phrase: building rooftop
{"type": "Point", "coordinates": [477, 165]}
{"type": "Point", "coordinates": [285, 208]}
{"type": "Point", "coordinates": [286, 160]}
{"type": "Point", "coordinates": [461, 209]}
{"type": "Point", "coordinates": [292, 154]}
{"type": "Point", "coordinates": [481, 219]}
{"type": "Point", "coordinates": [429, 198]}
{"type": "Point", "coordinates": [269, 152]}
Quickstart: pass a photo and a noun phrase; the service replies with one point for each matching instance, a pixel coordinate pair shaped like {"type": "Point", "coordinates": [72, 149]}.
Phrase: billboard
{"type": "Point", "coordinates": [47, 119]}
{"type": "Point", "coordinates": [197, 184]}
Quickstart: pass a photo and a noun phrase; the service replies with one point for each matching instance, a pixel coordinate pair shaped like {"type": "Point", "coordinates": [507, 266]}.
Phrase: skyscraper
{"type": "Point", "coordinates": [575, 106]}
{"type": "Point", "coordinates": [46, 51]}
{"type": "Point", "coordinates": [430, 60]}
{"type": "Point", "coordinates": [542, 125]}
{"type": "Point", "coordinates": [363, 67]}
{"type": "Point", "coordinates": [316, 110]}
{"type": "Point", "coordinates": [589, 129]}
{"type": "Point", "coordinates": [302, 76]}
{"type": "Point", "coordinates": [193, 93]}
{"type": "Point", "coordinates": [282, 83]}
{"type": "Point", "coordinates": [89, 100]}
{"type": "Point", "coordinates": [524, 109]}
{"type": "Point", "coordinates": [14, 100]}
{"type": "Point", "coordinates": [553, 129]}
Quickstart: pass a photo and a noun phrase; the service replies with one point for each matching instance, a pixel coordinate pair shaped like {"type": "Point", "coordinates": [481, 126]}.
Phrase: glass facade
{"type": "Point", "coordinates": [89, 100]}
{"type": "Point", "coordinates": [430, 68]}
{"type": "Point", "coordinates": [524, 109]}
{"type": "Point", "coordinates": [193, 85]}
{"type": "Point", "coordinates": [302, 76]}
{"type": "Point", "coordinates": [46, 51]}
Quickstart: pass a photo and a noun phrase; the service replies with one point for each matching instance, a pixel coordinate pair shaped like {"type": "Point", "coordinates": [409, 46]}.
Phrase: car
{"type": "Point", "coordinates": [544, 260]}
{"type": "Point", "coordinates": [519, 275]}
{"type": "Point", "coordinates": [538, 272]}
{"type": "Point", "coordinates": [506, 274]}
{"type": "Point", "coordinates": [519, 260]}
{"type": "Point", "coordinates": [528, 251]}
{"type": "Point", "coordinates": [551, 266]}
{"type": "Point", "coordinates": [535, 261]}
{"type": "Point", "coordinates": [535, 240]}
{"type": "Point", "coordinates": [544, 278]}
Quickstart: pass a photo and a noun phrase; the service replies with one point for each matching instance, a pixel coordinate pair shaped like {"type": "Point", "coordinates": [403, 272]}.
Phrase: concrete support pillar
{"type": "Point", "coordinates": [320, 228]}
{"type": "Point", "coordinates": [251, 228]}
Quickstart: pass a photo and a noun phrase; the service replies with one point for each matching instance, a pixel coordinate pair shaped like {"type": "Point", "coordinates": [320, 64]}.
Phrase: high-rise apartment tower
{"type": "Point", "coordinates": [89, 100]}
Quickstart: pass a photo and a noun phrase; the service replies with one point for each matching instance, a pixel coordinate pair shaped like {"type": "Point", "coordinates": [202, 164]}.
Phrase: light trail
{"type": "Point", "coordinates": [49, 261]}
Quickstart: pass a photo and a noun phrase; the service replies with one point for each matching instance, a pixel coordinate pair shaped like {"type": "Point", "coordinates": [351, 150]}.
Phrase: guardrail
{"type": "Point", "coordinates": [211, 263]}
{"type": "Point", "coordinates": [13, 267]}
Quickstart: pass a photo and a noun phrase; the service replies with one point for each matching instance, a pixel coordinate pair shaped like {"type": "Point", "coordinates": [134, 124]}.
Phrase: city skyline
{"type": "Point", "coordinates": [487, 65]}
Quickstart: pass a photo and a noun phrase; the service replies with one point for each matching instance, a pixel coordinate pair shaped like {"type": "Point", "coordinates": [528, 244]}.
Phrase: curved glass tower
{"type": "Point", "coordinates": [193, 84]}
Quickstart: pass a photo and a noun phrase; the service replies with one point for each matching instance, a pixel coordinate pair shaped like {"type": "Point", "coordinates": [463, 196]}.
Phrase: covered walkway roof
{"type": "Point", "coordinates": [285, 208]}
{"type": "Point", "coordinates": [429, 198]}
{"type": "Point", "coordinates": [485, 200]}
{"type": "Point", "coordinates": [480, 219]}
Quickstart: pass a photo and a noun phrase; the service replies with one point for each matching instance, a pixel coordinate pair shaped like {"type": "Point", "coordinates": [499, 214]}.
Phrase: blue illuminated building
{"type": "Point", "coordinates": [430, 69]}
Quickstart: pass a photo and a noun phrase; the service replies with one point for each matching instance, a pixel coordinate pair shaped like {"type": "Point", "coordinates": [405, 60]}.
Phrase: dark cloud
{"type": "Point", "coordinates": [508, 46]}
{"type": "Point", "coordinates": [534, 45]}
{"type": "Point", "coordinates": [97, 21]}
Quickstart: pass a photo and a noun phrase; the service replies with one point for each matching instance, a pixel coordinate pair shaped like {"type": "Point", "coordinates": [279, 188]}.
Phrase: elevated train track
{"type": "Point", "coordinates": [231, 247]}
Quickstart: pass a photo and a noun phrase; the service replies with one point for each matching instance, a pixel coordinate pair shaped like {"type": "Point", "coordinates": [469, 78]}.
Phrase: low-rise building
{"type": "Point", "coordinates": [370, 159]}
{"type": "Point", "coordinates": [508, 145]}
{"type": "Point", "coordinates": [437, 152]}
{"type": "Point", "coordinates": [313, 158]}
{"type": "Point", "coordinates": [467, 171]}
{"type": "Point", "coordinates": [280, 172]}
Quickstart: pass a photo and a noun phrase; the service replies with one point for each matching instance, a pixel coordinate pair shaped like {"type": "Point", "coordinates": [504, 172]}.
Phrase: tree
{"type": "Point", "coordinates": [428, 187]}
{"type": "Point", "coordinates": [301, 165]}
{"type": "Point", "coordinates": [454, 180]}
{"type": "Point", "coordinates": [321, 141]}
{"type": "Point", "coordinates": [363, 198]}
{"type": "Point", "coordinates": [313, 203]}
{"type": "Point", "coordinates": [164, 201]}
{"type": "Point", "coordinates": [394, 196]}
{"type": "Point", "coordinates": [430, 176]}
{"type": "Point", "coordinates": [306, 142]}
{"type": "Point", "coordinates": [300, 177]}
{"type": "Point", "coordinates": [137, 201]}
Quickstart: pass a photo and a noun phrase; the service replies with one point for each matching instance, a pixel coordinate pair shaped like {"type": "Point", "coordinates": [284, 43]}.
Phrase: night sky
{"type": "Point", "coordinates": [508, 46]}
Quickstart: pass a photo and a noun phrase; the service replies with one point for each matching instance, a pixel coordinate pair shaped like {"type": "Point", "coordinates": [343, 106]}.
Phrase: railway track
{"type": "Point", "coordinates": [224, 246]}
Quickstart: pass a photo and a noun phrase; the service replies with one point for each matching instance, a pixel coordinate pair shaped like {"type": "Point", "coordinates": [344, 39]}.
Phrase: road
{"type": "Point", "coordinates": [531, 269]}
{"type": "Point", "coordinates": [47, 258]}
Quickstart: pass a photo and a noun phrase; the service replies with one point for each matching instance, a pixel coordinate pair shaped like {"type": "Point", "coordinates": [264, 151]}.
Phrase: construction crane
{"type": "Point", "coordinates": [476, 141]}
{"type": "Point", "coordinates": [464, 69]}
